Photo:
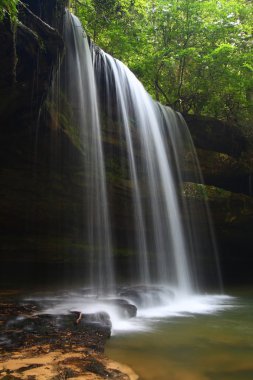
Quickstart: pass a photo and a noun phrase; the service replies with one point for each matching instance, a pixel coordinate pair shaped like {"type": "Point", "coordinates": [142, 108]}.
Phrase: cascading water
{"type": "Point", "coordinates": [199, 243]}
{"type": "Point", "coordinates": [153, 140]}
{"type": "Point", "coordinates": [132, 103]}
{"type": "Point", "coordinates": [80, 89]}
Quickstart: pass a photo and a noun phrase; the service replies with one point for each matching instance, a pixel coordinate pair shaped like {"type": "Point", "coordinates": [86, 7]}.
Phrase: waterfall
{"type": "Point", "coordinates": [81, 92]}
{"type": "Point", "coordinates": [103, 93]}
{"type": "Point", "coordinates": [132, 102]}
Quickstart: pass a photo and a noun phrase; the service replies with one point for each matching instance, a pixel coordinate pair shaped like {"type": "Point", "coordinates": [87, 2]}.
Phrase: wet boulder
{"type": "Point", "coordinates": [101, 318]}
{"type": "Point", "coordinates": [145, 296]}
{"type": "Point", "coordinates": [123, 307]}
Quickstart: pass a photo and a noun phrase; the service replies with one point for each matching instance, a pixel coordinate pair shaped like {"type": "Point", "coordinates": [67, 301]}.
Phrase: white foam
{"type": "Point", "coordinates": [168, 304]}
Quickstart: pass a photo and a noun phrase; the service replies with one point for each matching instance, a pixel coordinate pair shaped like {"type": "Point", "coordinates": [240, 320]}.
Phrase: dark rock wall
{"type": "Point", "coordinates": [216, 135]}
{"type": "Point", "coordinates": [40, 192]}
{"type": "Point", "coordinates": [29, 50]}
{"type": "Point", "coordinates": [226, 160]}
{"type": "Point", "coordinates": [42, 181]}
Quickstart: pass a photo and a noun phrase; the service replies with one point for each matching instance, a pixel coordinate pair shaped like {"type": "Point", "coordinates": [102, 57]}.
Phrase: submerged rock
{"type": "Point", "coordinates": [145, 296]}
{"type": "Point", "coordinates": [124, 309]}
{"type": "Point", "coordinates": [100, 318]}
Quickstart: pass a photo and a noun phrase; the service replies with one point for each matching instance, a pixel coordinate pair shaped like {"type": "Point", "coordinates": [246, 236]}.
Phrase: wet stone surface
{"type": "Point", "coordinates": [55, 347]}
{"type": "Point", "coordinates": [21, 325]}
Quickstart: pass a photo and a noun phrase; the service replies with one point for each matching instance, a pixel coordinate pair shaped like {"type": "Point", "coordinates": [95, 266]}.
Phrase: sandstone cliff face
{"type": "Point", "coordinates": [38, 208]}
{"type": "Point", "coordinates": [29, 49]}
{"type": "Point", "coordinates": [42, 181]}
{"type": "Point", "coordinates": [226, 160]}
{"type": "Point", "coordinates": [224, 152]}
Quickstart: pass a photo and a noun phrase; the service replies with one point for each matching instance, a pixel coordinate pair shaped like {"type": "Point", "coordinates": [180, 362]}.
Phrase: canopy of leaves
{"type": "Point", "coordinates": [194, 55]}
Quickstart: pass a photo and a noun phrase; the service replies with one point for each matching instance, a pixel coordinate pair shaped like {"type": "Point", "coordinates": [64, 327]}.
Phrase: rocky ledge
{"type": "Point", "coordinates": [43, 346]}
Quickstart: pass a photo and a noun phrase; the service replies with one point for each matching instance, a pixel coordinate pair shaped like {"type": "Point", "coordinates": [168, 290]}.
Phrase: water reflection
{"type": "Point", "coordinates": [200, 347]}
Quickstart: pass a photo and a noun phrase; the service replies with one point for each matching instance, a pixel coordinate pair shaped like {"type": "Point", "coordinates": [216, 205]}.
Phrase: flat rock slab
{"type": "Point", "coordinates": [49, 347]}
{"type": "Point", "coordinates": [22, 326]}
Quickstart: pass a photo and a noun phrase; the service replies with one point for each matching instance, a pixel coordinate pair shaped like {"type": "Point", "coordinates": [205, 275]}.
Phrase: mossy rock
{"type": "Point", "coordinates": [232, 218]}
{"type": "Point", "coordinates": [221, 170]}
{"type": "Point", "coordinates": [216, 135]}
{"type": "Point", "coordinates": [231, 207]}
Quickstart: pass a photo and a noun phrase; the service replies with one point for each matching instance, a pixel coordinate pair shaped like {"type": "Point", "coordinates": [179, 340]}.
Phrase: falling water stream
{"type": "Point", "coordinates": [104, 94]}
{"type": "Point", "coordinates": [162, 242]}
{"type": "Point", "coordinates": [132, 102]}
{"type": "Point", "coordinates": [80, 88]}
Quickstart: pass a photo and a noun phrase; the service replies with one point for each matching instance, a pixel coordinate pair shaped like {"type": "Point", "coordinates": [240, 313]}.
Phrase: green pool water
{"type": "Point", "coordinates": [195, 347]}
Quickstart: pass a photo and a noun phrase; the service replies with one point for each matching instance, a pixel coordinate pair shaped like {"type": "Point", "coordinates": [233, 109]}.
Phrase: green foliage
{"type": "Point", "coordinates": [8, 7]}
{"type": "Point", "coordinates": [194, 55]}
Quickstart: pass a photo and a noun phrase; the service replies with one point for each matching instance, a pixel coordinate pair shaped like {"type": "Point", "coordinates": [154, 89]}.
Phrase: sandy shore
{"type": "Point", "coordinates": [79, 364]}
